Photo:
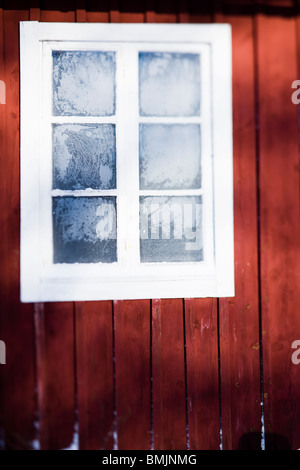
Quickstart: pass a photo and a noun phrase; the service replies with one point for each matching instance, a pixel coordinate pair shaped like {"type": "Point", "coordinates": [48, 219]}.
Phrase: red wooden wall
{"type": "Point", "coordinates": [169, 374]}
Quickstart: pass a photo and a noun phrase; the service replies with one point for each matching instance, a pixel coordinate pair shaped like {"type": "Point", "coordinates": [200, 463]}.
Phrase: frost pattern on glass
{"type": "Point", "coordinates": [170, 156]}
{"type": "Point", "coordinates": [84, 83]}
{"type": "Point", "coordinates": [84, 229]}
{"type": "Point", "coordinates": [171, 229]}
{"type": "Point", "coordinates": [169, 84]}
{"type": "Point", "coordinates": [84, 156]}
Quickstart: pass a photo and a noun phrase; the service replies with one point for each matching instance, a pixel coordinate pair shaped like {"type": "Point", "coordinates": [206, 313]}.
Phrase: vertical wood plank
{"type": "Point", "coordinates": [2, 225]}
{"type": "Point", "coordinates": [131, 11]}
{"type": "Point", "coordinates": [200, 12]}
{"type": "Point", "coordinates": [80, 11]}
{"type": "Point", "coordinates": [18, 375]}
{"type": "Point", "coordinates": [97, 13]}
{"type": "Point", "coordinates": [67, 14]}
{"type": "Point", "coordinates": [94, 373]}
{"type": "Point", "coordinates": [168, 371]}
{"type": "Point", "coordinates": [56, 388]}
{"type": "Point", "coordinates": [183, 11]}
{"type": "Point", "coordinates": [114, 11]}
{"type": "Point", "coordinates": [239, 316]}
{"type": "Point", "coordinates": [166, 12]}
{"type": "Point", "coordinates": [94, 342]}
{"type": "Point", "coordinates": [150, 11]}
{"type": "Point", "coordinates": [41, 375]}
{"type": "Point", "coordinates": [202, 373]}
{"type": "Point", "coordinates": [280, 229]}
{"type": "Point", "coordinates": [132, 356]}
{"type": "Point", "coordinates": [55, 337]}
{"type": "Point", "coordinates": [132, 338]}
{"type": "Point", "coordinates": [34, 13]}
{"type": "Point", "coordinates": [201, 331]}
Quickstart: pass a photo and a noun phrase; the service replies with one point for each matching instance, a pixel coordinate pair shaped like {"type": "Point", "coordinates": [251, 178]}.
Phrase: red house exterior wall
{"type": "Point", "coordinates": [168, 374]}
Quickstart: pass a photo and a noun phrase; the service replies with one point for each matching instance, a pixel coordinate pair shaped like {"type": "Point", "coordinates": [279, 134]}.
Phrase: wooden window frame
{"type": "Point", "coordinates": [41, 279]}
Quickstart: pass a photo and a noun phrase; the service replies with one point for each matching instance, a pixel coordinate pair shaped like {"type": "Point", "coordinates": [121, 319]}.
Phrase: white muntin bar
{"type": "Point", "coordinates": [84, 192]}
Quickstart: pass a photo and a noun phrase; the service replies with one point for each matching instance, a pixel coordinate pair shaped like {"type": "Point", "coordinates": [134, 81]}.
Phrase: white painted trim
{"type": "Point", "coordinates": [184, 33]}
{"type": "Point", "coordinates": [128, 279]}
{"type": "Point", "coordinates": [223, 162]}
{"type": "Point", "coordinates": [29, 149]}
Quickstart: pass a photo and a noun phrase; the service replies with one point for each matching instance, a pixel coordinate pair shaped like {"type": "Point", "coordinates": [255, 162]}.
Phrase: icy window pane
{"type": "Point", "coordinates": [171, 229]}
{"type": "Point", "coordinates": [84, 156]}
{"type": "Point", "coordinates": [84, 229]}
{"type": "Point", "coordinates": [170, 156]}
{"type": "Point", "coordinates": [169, 84]}
{"type": "Point", "coordinates": [83, 83]}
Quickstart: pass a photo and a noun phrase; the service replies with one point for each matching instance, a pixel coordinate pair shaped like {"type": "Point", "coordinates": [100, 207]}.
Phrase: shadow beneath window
{"type": "Point", "coordinates": [253, 441]}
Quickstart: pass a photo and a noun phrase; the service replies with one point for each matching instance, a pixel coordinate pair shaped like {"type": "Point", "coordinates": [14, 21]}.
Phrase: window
{"type": "Point", "coordinates": [126, 161]}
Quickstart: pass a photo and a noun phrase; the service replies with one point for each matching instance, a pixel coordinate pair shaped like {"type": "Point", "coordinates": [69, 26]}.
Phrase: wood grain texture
{"type": "Point", "coordinates": [114, 11]}
{"type": "Point", "coordinates": [75, 366]}
{"type": "Point", "coordinates": [201, 331]}
{"type": "Point", "coordinates": [150, 11]}
{"type": "Point", "coordinates": [56, 383]}
{"type": "Point", "coordinates": [94, 375]}
{"type": "Point", "coordinates": [65, 14]}
{"type": "Point", "coordinates": [2, 227]}
{"type": "Point", "coordinates": [132, 337]}
{"type": "Point", "coordinates": [132, 359]}
{"type": "Point", "coordinates": [166, 12]}
{"type": "Point", "coordinates": [97, 13]}
{"type": "Point", "coordinates": [280, 229]}
{"type": "Point", "coordinates": [131, 12]}
{"type": "Point", "coordinates": [94, 343]}
{"type": "Point", "coordinates": [239, 316]}
{"type": "Point", "coordinates": [168, 372]}
{"type": "Point", "coordinates": [55, 337]}
{"type": "Point", "coordinates": [18, 375]}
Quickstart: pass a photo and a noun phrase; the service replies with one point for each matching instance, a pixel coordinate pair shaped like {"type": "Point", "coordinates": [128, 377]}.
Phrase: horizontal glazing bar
{"type": "Point", "coordinates": [170, 120]}
{"type": "Point", "coordinates": [171, 192]}
{"type": "Point", "coordinates": [85, 192]}
{"type": "Point", "coordinates": [82, 119]}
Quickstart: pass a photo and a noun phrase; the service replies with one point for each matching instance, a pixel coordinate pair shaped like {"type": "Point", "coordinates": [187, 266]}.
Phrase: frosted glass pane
{"type": "Point", "coordinates": [170, 156]}
{"type": "Point", "coordinates": [169, 84]}
{"type": "Point", "coordinates": [83, 83]}
{"type": "Point", "coordinates": [171, 229]}
{"type": "Point", "coordinates": [84, 229]}
{"type": "Point", "coordinates": [84, 156]}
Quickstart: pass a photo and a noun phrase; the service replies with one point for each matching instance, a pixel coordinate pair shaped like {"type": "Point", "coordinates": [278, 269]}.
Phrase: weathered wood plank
{"type": "Point", "coordinates": [132, 339]}
{"type": "Point", "coordinates": [56, 386]}
{"type": "Point", "coordinates": [132, 359]}
{"type": "Point", "coordinates": [97, 13]}
{"type": "Point", "coordinates": [65, 14]}
{"type": "Point", "coordinates": [280, 228]}
{"type": "Point", "coordinates": [80, 11]}
{"type": "Point", "coordinates": [168, 372]}
{"type": "Point", "coordinates": [41, 376]}
{"type": "Point", "coordinates": [94, 342]}
{"type": "Point", "coordinates": [94, 374]}
{"type": "Point", "coordinates": [16, 318]}
{"type": "Point", "coordinates": [166, 12]}
{"type": "Point", "coordinates": [114, 11]}
{"type": "Point", "coordinates": [2, 225]}
{"type": "Point", "coordinates": [131, 11]}
{"type": "Point", "coordinates": [201, 330]}
{"type": "Point", "coordinates": [55, 337]}
{"type": "Point", "coordinates": [239, 316]}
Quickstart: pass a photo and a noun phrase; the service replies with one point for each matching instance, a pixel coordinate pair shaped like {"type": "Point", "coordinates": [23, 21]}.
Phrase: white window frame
{"type": "Point", "coordinates": [41, 279]}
